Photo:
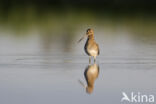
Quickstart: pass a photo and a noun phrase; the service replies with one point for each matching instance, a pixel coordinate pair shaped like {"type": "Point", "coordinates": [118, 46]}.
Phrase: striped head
{"type": "Point", "coordinates": [89, 32]}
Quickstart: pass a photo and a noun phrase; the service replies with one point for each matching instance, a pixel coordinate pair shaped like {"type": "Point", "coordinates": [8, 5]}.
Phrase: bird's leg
{"type": "Point", "coordinates": [94, 59]}
{"type": "Point", "coordinates": [89, 59]}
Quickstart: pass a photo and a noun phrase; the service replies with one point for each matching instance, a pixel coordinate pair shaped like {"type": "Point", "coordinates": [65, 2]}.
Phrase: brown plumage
{"type": "Point", "coordinates": [91, 47]}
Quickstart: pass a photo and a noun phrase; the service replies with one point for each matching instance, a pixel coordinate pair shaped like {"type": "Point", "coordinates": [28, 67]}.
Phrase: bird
{"type": "Point", "coordinates": [91, 47]}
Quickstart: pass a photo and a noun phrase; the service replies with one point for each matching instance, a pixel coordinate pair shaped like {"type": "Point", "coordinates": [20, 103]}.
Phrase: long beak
{"type": "Point", "coordinates": [81, 83]}
{"type": "Point", "coordinates": [82, 38]}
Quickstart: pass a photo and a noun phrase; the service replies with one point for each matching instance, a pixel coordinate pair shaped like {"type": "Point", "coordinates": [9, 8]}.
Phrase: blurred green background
{"type": "Point", "coordinates": [55, 15]}
{"type": "Point", "coordinates": [65, 21]}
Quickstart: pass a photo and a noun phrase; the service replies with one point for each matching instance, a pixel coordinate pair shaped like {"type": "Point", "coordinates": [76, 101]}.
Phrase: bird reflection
{"type": "Point", "coordinates": [91, 73]}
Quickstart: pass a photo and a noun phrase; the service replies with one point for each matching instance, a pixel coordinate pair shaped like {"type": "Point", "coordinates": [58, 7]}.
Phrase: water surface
{"type": "Point", "coordinates": [42, 62]}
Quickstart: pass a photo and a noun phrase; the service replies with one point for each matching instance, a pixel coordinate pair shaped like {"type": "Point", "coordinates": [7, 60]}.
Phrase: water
{"type": "Point", "coordinates": [44, 64]}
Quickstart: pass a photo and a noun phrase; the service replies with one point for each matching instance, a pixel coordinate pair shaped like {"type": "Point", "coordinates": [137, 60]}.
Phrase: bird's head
{"type": "Point", "coordinates": [89, 89]}
{"type": "Point", "coordinates": [89, 33]}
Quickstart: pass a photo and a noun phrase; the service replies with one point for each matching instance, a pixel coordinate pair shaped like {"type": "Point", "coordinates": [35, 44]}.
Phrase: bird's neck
{"type": "Point", "coordinates": [91, 37]}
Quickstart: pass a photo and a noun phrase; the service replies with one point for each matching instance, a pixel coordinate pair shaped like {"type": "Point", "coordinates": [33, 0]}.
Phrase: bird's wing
{"type": "Point", "coordinates": [98, 49]}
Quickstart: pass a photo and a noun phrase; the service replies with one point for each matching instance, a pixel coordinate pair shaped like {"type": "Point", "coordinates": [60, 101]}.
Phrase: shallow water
{"type": "Point", "coordinates": [29, 75]}
{"type": "Point", "coordinates": [45, 64]}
